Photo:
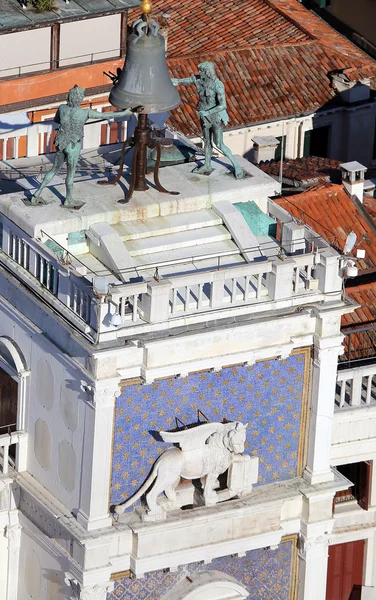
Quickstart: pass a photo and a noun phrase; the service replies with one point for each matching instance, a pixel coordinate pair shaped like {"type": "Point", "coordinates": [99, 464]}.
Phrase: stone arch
{"type": "Point", "coordinates": [208, 585]}
{"type": "Point", "coordinates": [11, 354]}
{"type": "Point", "coordinates": [13, 383]}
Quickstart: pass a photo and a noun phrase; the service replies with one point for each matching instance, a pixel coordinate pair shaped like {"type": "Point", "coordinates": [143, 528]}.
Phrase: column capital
{"type": "Point", "coordinates": [327, 350]}
{"type": "Point", "coordinates": [103, 393]}
{"type": "Point", "coordinates": [13, 534]}
{"type": "Point", "coordinates": [98, 591]}
{"type": "Point", "coordinates": [311, 545]}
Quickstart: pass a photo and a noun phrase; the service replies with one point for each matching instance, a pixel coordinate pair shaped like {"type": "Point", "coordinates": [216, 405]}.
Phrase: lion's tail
{"type": "Point", "coordinates": [120, 508]}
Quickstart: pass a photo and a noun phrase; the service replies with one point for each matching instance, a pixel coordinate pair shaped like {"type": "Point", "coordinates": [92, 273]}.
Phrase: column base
{"type": "Point", "coordinates": [92, 523]}
{"type": "Point", "coordinates": [318, 476]}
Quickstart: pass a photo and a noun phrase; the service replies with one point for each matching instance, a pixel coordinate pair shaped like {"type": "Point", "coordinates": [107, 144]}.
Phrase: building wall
{"type": "Point", "coordinates": [92, 39]}
{"type": "Point", "coordinates": [24, 52]}
{"type": "Point", "coordinates": [271, 396]}
{"type": "Point", "coordinates": [351, 134]}
{"type": "Point", "coordinates": [55, 411]}
{"type": "Point", "coordinates": [81, 41]}
{"type": "Point", "coordinates": [266, 574]}
{"type": "Point", "coordinates": [41, 567]}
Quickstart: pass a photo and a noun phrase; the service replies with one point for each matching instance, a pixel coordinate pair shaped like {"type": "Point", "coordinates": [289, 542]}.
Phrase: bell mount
{"type": "Point", "coordinates": [145, 30]}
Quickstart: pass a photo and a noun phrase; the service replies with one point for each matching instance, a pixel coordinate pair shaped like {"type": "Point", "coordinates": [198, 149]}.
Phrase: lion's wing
{"type": "Point", "coordinates": [190, 439]}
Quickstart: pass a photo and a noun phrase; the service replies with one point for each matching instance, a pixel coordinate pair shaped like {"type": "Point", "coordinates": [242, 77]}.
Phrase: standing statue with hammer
{"type": "Point", "coordinates": [68, 141]}
{"type": "Point", "coordinates": [213, 115]}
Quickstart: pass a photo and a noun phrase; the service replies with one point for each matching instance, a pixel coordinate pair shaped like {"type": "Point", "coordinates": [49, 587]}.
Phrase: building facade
{"type": "Point", "coordinates": [84, 395]}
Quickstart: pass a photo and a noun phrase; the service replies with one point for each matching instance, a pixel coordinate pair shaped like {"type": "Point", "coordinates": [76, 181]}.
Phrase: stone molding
{"type": "Point", "coordinates": [96, 592]}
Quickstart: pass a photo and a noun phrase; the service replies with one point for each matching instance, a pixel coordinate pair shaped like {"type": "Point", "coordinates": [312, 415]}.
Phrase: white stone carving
{"type": "Point", "coordinates": [305, 545]}
{"type": "Point", "coordinates": [74, 585]}
{"type": "Point", "coordinates": [96, 592]}
{"type": "Point", "coordinates": [13, 534]}
{"type": "Point", "coordinates": [206, 450]}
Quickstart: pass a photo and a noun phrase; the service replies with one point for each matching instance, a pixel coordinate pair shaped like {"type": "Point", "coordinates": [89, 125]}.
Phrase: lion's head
{"type": "Point", "coordinates": [234, 438]}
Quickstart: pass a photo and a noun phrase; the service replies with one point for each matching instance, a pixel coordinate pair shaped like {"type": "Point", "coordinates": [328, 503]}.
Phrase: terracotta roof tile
{"type": "Point", "coordinates": [305, 170]}
{"type": "Point", "coordinates": [359, 326]}
{"type": "Point", "coordinates": [332, 213]}
{"type": "Point", "coordinates": [279, 51]}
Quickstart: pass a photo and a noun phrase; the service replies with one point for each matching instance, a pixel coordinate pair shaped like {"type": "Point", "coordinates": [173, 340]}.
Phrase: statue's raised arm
{"type": "Point", "coordinates": [72, 118]}
{"type": "Point", "coordinates": [212, 110]}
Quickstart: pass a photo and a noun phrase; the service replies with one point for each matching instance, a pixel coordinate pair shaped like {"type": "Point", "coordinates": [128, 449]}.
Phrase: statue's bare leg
{"type": "Point", "coordinates": [58, 162]}
{"type": "Point", "coordinates": [73, 155]}
{"type": "Point", "coordinates": [210, 496]}
{"type": "Point", "coordinates": [206, 168]}
{"type": "Point", "coordinates": [218, 140]}
{"type": "Point", "coordinates": [170, 491]}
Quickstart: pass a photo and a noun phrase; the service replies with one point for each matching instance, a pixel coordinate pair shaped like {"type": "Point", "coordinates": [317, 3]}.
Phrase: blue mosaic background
{"type": "Point", "coordinates": [267, 395]}
{"type": "Point", "coordinates": [265, 573]}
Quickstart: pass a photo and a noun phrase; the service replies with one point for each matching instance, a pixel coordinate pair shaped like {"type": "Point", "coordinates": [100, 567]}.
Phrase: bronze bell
{"type": "Point", "coordinates": [144, 79]}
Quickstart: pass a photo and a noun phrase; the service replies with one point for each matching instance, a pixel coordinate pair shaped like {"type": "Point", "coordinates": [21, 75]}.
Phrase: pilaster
{"type": "Point", "coordinates": [313, 567]}
{"type": "Point", "coordinates": [95, 484]}
{"type": "Point", "coordinates": [13, 535]}
{"type": "Point", "coordinates": [324, 377]}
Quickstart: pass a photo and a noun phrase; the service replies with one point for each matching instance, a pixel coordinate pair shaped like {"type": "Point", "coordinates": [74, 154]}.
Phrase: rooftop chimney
{"type": "Point", "coordinates": [264, 148]}
{"type": "Point", "coordinates": [349, 88]}
{"type": "Point", "coordinates": [353, 178]}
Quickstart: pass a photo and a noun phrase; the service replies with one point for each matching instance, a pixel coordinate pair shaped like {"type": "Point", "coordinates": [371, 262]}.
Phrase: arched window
{"type": "Point", "coordinates": [13, 374]}
{"type": "Point", "coordinates": [208, 585]}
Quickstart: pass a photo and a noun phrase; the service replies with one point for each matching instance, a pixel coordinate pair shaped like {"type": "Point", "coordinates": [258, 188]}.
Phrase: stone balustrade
{"type": "Point", "coordinates": [63, 282]}
{"type": "Point", "coordinates": [6, 441]}
{"type": "Point", "coordinates": [355, 387]}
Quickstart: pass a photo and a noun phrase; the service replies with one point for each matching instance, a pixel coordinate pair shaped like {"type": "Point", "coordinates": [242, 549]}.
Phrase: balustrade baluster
{"type": "Point", "coordinates": [199, 295]}
{"type": "Point", "coordinates": [174, 300]}
{"type": "Point", "coordinates": [74, 298]}
{"type": "Point", "coordinates": [259, 286]}
{"type": "Point", "coordinates": [233, 290]}
{"type": "Point", "coordinates": [186, 297]}
{"type": "Point", "coordinates": [5, 459]}
{"type": "Point", "coordinates": [369, 389]}
{"type": "Point", "coordinates": [122, 306]}
{"type": "Point", "coordinates": [246, 288]}
{"type": "Point", "coordinates": [135, 306]}
{"type": "Point", "coordinates": [19, 251]}
{"type": "Point", "coordinates": [48, 275]}
{"type": "Point", "coordinates": [343, 393]}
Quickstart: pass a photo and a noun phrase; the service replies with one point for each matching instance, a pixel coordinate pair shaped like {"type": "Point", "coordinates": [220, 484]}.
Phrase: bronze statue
{"type": "Point", "coordinates": [68, 141]}
{"type": "Point", "coordinates": [213, 114]}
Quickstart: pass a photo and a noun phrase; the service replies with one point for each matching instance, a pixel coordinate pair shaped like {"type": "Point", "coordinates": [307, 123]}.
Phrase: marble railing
{"type": "Point", "coordinates": [6, 441]}
{"type": "Point", "coordinates": [64, 283]}
{"type": "Point", "coordinates": [356, 387]}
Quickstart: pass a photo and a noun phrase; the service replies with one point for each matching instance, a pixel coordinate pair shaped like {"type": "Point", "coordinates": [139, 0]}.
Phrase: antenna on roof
{"type": "Point", "coordinates": [351, 270]}
{"type": "Point", "coordinates": [282, 151]}
{"type": "Point", "coordinates": [350, 243]}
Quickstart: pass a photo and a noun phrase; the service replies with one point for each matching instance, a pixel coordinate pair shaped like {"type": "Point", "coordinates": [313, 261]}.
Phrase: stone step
{"type": "Point", "coordinates": [185, 255]}
{"type": "Point", "coordinates": [138, 229]}
{"type": "Point", "coordinates": [191, 240]}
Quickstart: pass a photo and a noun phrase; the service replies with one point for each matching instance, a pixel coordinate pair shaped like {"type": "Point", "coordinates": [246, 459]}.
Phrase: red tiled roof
{"type": "Point", "coordinates": [370, 206]}
{"type": "Point", "coordinates": [273, 56]}
{"type": "Point", "coordinates": [304, 170]}
{"type": "Point", "coordinates": [365, 295]}
{"type": "Point", "coordinates": [359, 326]}
{"type": "Point", "coordinates": [332, 213]}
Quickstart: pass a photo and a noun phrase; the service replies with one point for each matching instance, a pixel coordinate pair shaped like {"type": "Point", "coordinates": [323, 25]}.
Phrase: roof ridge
{"type": "Point", "coordinates": [314, 190]}
{"type": "Point", "coordinates": [323, 37]}
{"type": "Point", "coordinates": [278, 9]}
